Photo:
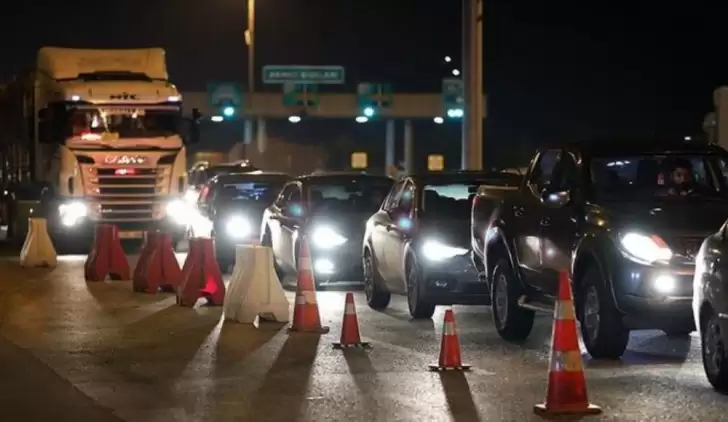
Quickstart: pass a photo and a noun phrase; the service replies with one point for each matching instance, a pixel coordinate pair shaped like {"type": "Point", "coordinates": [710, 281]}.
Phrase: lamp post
{"type": "Point", "coordinates": [250, 41]}
{"type": "Point", "coordinates": [472, 71]}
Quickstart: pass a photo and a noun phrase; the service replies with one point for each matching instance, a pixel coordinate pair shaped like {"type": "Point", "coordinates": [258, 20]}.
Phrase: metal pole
{"type": "Point", "coordinates": [472, 40]}
{"type": "Point", "coordinates": [248, 131]}
{"type": "Point", "coordinates": [251, 52]}
{"type": "Point", "coordinates": [409, 148]}
{"type": "Point", "coordinates": [262, 136]}
{"type": "Point", "coordinates": [389, 144]}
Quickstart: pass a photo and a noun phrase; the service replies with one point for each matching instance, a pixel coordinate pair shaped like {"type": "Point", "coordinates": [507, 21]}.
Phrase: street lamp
{"type": "Point", "coordinates": [294, 119]}
{"type": "Point", "coordinates": [438, 120]}
{"type": "Point", "coordinates": [455, 72]}
{"type": "Point", "coordinates": [448, 59]}
{"type": "Point", "coordinates": [250, 40]}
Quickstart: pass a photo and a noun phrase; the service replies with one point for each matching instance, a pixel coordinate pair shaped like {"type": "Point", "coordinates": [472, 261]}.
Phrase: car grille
{"type": "Point", "coordinates": [131, 200]}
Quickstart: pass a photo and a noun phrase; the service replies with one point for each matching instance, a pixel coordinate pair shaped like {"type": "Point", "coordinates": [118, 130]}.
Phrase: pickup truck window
{"type": "Point", "coordinates": [667, 175]}
{"type": "Point", "coordinates": [452, 201]}
{"type": "Point", "coordinates": [544, 169]}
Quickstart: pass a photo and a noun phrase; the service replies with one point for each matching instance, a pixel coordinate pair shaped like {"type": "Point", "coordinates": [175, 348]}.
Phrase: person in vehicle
{"type": "Point", "coordinates": [682, 181]}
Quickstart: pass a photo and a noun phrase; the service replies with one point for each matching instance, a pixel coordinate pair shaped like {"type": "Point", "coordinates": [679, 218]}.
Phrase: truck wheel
{"type": "Point", "coordinates": [377, 297]}
{"type": "Point", "coordinates": [418, 308]}
{"type": "Point", "coordinates": [715, 358]}
{"type": "Point", "coordinates": [512, 322]}
{"type": "Point", "coordinates": [604, 335]}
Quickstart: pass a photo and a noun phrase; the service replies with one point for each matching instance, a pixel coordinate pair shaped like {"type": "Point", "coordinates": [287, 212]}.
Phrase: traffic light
{"type": "Point", "coordinates": [453, 100]}
{"type": "Point", "coordinates": [228, 110]}
{"type": "Point", "coordinates": [373, 97]}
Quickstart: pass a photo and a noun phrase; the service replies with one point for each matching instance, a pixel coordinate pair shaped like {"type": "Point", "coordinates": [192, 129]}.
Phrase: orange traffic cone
{"type": "Point", "coordinates": [350, 327]}
{"type": "Point", "coordinates": [450, 347]}
{"type": "Point", "coordinates": [566, 393]}
{"type": "Point", "coordinates": [306, 316]}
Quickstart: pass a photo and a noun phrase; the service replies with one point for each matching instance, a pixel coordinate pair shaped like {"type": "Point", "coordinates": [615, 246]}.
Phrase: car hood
{"type": "Point", "coordinates": [695, 218]}
{"type": "Point", "coordinates": [452, 232]}
{"type": "Point", "coordinates": [348, 224]}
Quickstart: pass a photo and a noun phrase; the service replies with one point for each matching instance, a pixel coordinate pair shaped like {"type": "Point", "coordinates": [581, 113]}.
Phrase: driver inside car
{"type": "Point", "coordinates": [682, 181]}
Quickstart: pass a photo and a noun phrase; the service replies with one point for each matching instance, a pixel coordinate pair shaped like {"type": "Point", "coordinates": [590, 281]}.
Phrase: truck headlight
{"type": "Point", "coordinates": [438, 251]}
{"type": "Point", "coordinates": [645, 248]}
{"type": "Point", "coordinates": [327, 238]}
{"type": "Point", "coordinates": [179, 211]}
{"type": "Point", "coordinates": [238, 227]}
{"type": "Point", "coordinates": [72, 213]}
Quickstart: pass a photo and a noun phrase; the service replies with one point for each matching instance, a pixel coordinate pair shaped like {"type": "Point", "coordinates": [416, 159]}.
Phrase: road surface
{"type": "Point", "coordinates": [99, 352]}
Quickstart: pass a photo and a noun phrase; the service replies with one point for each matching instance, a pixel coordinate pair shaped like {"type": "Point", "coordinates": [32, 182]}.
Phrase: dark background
{"type": "Point", "coordinates": [553, 70]}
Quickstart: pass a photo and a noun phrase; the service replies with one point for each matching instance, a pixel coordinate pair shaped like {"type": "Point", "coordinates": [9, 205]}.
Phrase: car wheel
{"type": "Point", "coordinates": [512, 322]}
{"type": "Point", "coordinates": [715, 359]}
{"type": "Point", "coordinates": [602, 330]}
{"type": "Point", "coordinates": [377, 297]}
{"type": "Point", "coordinates": [418, 307]}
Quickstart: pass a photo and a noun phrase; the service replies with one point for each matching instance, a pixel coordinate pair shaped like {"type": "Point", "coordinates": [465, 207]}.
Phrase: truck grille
{"type": "Point", "coordinates": [128, 197]}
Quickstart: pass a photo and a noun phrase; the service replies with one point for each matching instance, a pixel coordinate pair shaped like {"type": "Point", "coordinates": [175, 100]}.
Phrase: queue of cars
{"type": "Point", "coordinates": [641, 229]}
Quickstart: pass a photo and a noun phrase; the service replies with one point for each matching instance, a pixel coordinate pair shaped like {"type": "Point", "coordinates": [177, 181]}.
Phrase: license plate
{"type": "Point", "coordinates": [131, 235]}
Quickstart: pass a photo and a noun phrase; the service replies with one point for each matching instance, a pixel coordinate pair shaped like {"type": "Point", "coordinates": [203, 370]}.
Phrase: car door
{"type": "Point", "coordinates": [559, 226]}
{"type": "Point", "coordinates": [397, 235]}
{"type": "Point", "coordinates": [202, 226]}
{"type": "Point", "coordinates": [380, 225]}
{"type": "Point", "coordinates": [274, 221]}
{"type": "Point", "coordinates": [527, 213]}
{"type": "Point", "coordinates": [290, 222]}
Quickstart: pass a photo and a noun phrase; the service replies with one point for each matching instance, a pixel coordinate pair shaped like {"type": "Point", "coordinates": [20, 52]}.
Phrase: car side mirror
{"type": "Point", "coordinates": [555, 199]}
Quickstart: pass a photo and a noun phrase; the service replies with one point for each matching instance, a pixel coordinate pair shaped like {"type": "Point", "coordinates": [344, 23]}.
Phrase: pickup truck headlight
{"type": "Point", "coordinates": [645, 248]}
{"type": "Point", "coordinates": [72, 213]}
{"type": "Point", "coordinates": [238, 227]}
{"type": "Point", "coordinates": [327, 238]}
{"type": "Point", "coordinates": [438, 251]}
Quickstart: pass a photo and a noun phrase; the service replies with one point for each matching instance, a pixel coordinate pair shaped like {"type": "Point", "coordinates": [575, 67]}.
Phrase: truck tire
{"type": "Point", "coordinates": [602, 330]}
{"type": "Point", "coordinates": [512, 322]}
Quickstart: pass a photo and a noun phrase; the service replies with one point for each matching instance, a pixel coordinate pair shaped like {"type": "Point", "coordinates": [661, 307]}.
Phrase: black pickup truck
{"type": "Point", "coordinates": [625, 219]}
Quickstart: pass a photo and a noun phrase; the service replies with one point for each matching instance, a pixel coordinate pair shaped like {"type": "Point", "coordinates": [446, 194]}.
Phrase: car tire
{"type": "Point", "coordinates": [377, 297]}
{"type": "Point", "coordinates": [602, 330]}
{"type": "Point", "coordinates": [714, 354]}
{"type": "Point", "coordinates": [512, 322]}
{"type": "Point", "coordinates": [418, 307]}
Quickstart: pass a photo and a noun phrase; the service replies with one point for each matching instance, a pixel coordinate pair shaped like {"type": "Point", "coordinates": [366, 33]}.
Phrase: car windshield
{"type": "Point", "coordinates": [665, 176]}
{"type": "Point", "coordinates": [360, 194]}
{"type": "Point", "coordinates": [124, 122]}
{"type": "Point", "coordinates": [256, 191]}
{"type": "Point", "coordinates": [452, 201]}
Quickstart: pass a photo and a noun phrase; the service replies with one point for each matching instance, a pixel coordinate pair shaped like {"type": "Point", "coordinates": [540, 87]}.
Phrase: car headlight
{"type": "Point", "coordinates": [72, 213]}
{"type": "Point", "coordinates": [438, 251]}
{"type": "Point", "coordinates": [191, 195]}
{"type": "Point", "coordinates": [238, 227]}
{"type": "Point", "coordinates": [327, 238]}
{"type": "Point", "coordinates": [179, 211]}
{"type": "Point", "coordinates": [645, 248]}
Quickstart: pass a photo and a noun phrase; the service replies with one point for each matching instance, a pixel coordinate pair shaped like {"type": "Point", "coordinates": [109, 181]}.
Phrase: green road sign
{"type": "Point", "coordinates": [300, 95]}
{"type": "Point", "coordinates": [331, 75]}
{"type": "Point", "coordinates": [225, 94]}
{"type": "Point", "coordinates": [453, 99]}
{"type": "Point", "coordinates": [373, 97]}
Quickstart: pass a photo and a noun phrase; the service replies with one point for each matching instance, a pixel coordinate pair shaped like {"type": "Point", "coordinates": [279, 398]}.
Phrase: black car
{"type": "Point", "coordinates": [418, 243]}
{"type": "Point", "coordinates": [232, 206]}
{"type": "Point", "coordinates": [331, 209]}
{"type": "Point", "coordinates": [624, 219]}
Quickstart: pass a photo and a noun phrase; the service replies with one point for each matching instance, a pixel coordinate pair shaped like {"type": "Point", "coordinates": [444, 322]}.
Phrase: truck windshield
{"type": "Point", "coordinates": [663, 176]}
{"type": "Point", "coordinates": [127, 123]}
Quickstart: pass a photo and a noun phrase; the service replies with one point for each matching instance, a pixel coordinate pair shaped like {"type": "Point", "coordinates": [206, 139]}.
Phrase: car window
{"type": "Point", "coordinates": [390, 203]}
{"type": "Point", "coordinates": [405, 199]}
{"type": "Point", "coordinates": [566, 174]}
{"type": "Point", "coordinates": [285, 194]}
{"type": "Point", "coordinates": [652, 176]}
{"type": "Point", "coordinates": [360, 194]}
{"type": "Point", "coordinates": [543, 171]}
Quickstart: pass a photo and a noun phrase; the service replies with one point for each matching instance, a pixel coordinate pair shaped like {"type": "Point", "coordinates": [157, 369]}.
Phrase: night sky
{"type": "Point", "coordinates": [553, 70]}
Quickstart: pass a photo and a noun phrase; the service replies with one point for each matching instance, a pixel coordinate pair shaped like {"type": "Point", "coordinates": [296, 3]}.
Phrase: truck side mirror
{"type": "Point", "coordinates": [555, 198]}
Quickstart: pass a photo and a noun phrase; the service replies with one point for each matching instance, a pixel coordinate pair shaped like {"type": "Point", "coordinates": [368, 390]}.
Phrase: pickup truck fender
{"type": "Point", "coordinates": [497, 241]}
{"type": "Point", "coordinates": [594, 249]}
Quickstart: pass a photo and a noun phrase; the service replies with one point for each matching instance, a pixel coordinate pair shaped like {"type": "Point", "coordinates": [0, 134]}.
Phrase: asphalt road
{"type": "Point", "coordinates": [98, 352]}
